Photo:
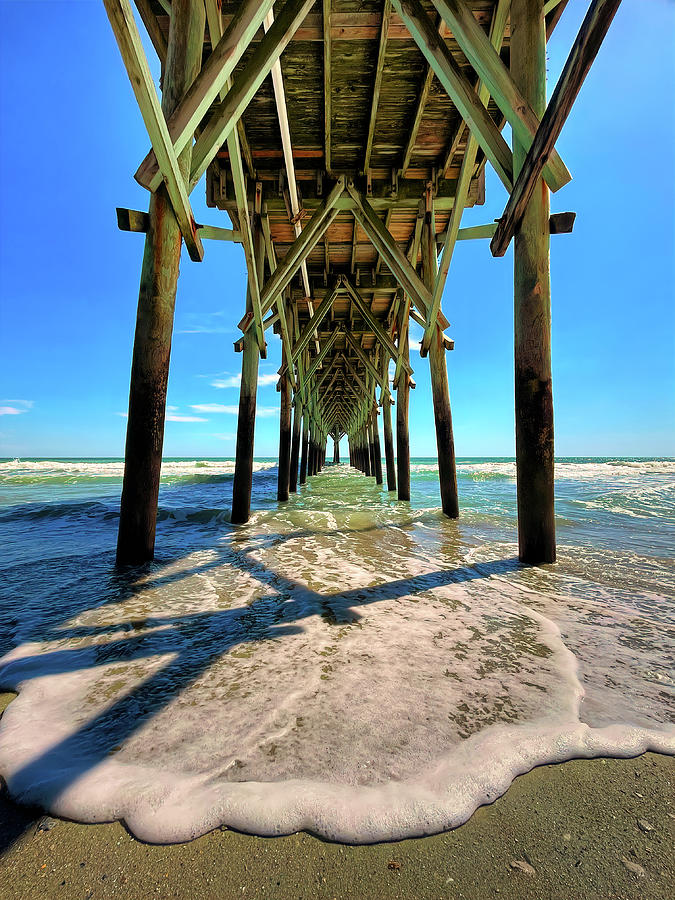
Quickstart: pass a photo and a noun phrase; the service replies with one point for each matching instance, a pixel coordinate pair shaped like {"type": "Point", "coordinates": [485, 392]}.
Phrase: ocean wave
{"type": "Point", "coordinates": [57, 471]}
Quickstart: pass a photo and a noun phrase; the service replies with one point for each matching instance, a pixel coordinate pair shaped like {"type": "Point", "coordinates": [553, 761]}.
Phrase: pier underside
{"type": "Point", "coordinates": [344, 140]}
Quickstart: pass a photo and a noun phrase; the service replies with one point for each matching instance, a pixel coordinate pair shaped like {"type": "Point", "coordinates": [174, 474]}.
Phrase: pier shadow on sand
{"type": "Point", "coordinates": [194, 642]}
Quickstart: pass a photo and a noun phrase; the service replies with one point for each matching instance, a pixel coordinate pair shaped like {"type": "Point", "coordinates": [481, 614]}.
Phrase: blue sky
{"type": "Point", "coordinates": [71, 138]}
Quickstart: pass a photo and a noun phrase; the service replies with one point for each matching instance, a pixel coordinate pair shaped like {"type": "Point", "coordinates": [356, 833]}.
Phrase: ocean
{"type": "Point", "coordinates": [344, 663]}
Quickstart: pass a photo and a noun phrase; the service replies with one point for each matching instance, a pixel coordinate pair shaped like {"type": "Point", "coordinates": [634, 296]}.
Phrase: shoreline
{"type": "Point", "coordinates": [600, 828]}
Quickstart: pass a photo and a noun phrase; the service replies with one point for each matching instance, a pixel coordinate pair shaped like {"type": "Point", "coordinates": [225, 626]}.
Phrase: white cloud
{"type": "Point", "coordinates": [269, 378]}
{"type": "Point", "coordinates": [226, 436]}
{"type": "Point", "coordinates": [233, 381]}
{"type": "Point", "coordinates": [262, 412]}
{"type": "Point", "coordinates": [229, 382]}
{"type": "Point", "coordinates": [215, 408]}
{"type": "Point", "coordinates": [172, 417]}
{"type": "Point", "coordinates": [415, 345]}
{"type": "Point", "coordinates": [205, 323]}
{"type": "Point", "coordinates": [17, 408]}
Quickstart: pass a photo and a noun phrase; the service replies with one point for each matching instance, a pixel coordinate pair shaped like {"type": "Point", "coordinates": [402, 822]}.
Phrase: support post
{"type": "Point", "coordinates": [284, 476]}
{"type": "Point", "coordinates": [295, 445]}
{"type": "Point", "coordinates": [377, 452]}
{"type": "Point", "coordinates": [305, 446]}
{"type": "Point", "coordinates": [243, 466]}
{"type": "Point", "coordinates": [154, 319]}
{"type": "Point", "coordinates": [445, 443]}
{"type": "Point", "coordinates": [336, 452]}
{"type": "Point", "coordinates": [402, 400]}
{"type": "Point", "coordinates": [532, 311]}
{"type": "Point", "coordinates": [388, 443]}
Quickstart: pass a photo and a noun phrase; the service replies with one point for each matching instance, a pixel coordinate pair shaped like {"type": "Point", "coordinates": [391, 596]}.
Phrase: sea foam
{"type": "Point", "coordinates": [363, 679]}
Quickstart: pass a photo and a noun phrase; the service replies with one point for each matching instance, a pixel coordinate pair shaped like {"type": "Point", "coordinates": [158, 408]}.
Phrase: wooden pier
{"type": "Point", "coordinates": [344, 139]}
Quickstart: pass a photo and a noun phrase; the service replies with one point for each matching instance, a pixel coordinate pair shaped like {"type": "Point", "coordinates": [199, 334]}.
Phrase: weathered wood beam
{"type": "Point", "coordinates": [379, 72]}
{"type": "Point", "coordinates": [138, 221]}
{"type": "Point", "coordinates": [363, 357]}
{"type": "Point", "coordinates": [485, 59]}
{"type": "Point", "coordinates": [286, 340]}
{"type": "Point", "coordinates": [372, 322]}
{"type": "Point", "coordinates": [460, 91]}
{"type": "Point", "coordinates": [214, 19]}
{"type": "Point", "coordinates": [310, 328]}
{"type": "Point", "coordinates": [225, 114]}
{"type": "Point", "coordinates": [357, 379]}
{"type": "Point", "coordinates": [155, 316]}
{"type": "Point", "coordinates": [532, 313]}
{"type": "Point", "coordinates": [391, 252]}
{"type": "Point", "coordinates": [302, 246]}
{"type": "Point", "coordinates": [217, 70]}
{"type": "Point", "coordinates": [327, 88]}
{"type": "Point", "coordinates": [287, 148]}
{"type": "Point", "coordinates": [316, 362]}
{"type": "Point", "coordinates": [133, 55]}
{"type": "Point", "coordinates": [498, 27]}
{"type": "Point", "coordinates": [155, 33]}
{"type": "Point", "coordinates": [584, 50]}
{"type": "Point", "coordinates": [558, 223]}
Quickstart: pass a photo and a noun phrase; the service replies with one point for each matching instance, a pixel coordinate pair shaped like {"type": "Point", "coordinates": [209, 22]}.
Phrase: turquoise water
{"type": "Point", "coordinates": [379, 669]}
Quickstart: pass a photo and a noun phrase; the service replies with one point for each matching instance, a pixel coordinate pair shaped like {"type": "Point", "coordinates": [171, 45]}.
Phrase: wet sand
{"type": "Point", "coordinates": [585, 829]}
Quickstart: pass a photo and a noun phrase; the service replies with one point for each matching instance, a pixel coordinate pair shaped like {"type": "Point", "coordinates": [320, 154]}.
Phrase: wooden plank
{"type": "Point", "coordinates": [244, 86]}
{"type": "Point", "coordinates": [379, 71]}
{"type": "Point", "coordinates": [483, 56]}
{"type": "Point", "coordinates": [131, 48]}
{"type": "Point", "coordinates": [462, 94]}
{"type": "Point", "coordinates": [584, 50]}
{"type": "Point", "coordinates": [327, 88]}
{"type": "Point", "coordinates": [213, 77]}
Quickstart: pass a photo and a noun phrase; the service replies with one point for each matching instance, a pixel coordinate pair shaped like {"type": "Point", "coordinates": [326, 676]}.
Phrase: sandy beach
{"type": "Point", "coordinates": [599, 828]}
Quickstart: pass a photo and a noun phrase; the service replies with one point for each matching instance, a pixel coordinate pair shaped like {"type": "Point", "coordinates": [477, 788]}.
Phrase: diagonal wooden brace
{"type": "Point", "coordinates": [225, 114]}
{"type": "Point", "coordinates": [458, 88]}
{"type": "Point", "coordinates": [213, 77]}
{"type": "Point", "coordinates": [129, 42]}
{"type": "Point", "coordinates": [584, 50]}
{"type": "Point", "coordinates": [496, 77]}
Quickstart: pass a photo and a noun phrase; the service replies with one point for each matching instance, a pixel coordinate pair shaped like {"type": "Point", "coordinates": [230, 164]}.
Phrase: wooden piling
{"type": "Point", "coordinates": [305, 446]}
{"type": "Point", "coordinates": [243, 465]}
{"type": "Point", "coordinates": [366, 452]}
{"type": "Point", "coordinates": [445, 443]}
{"type": "Point", "coordinates": [402, 400]}
{"type": "Point", "coordinates": [295, 445]}
{"type": "Point", "coordinates": [532, 311]}
{"type": "Point", "coordinates": [154, 318]}
{"type": "Point", "coordinates": [336, 452]}
{"type": "Point", "coordinates": [284, 476]}
{"type": "Point", "coordinates": [376, 449]}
